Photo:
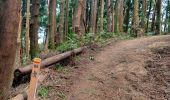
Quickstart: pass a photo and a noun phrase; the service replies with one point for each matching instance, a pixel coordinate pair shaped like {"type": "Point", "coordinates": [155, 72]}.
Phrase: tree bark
{"type": "Point", "coordinates": [102, 15]}
{"type": "Point", "coordinates": [143, 21]}
{"type": "Point", "coordinates": [9, 24]}
{"type": "Point", "coordinates": [34, 49]}
{"type": "Point", "coordinates": [127, 17]}
{"type": "Point", "coordinates": [79, 27]}
{"type": "Point", "coordinates": [27, 38]}
{"type": "Point", "coordinates": [93, 16]}
{"type": "Point", "coordinates": [153, 19]}
{"type": "Point", "coordinates": [148, 16]}
{"type": "Point", "coordinates": [61, 25]}
{"type": "Point", "coordinates": [158, 18]}
{"type": "Point", "coordinates": [119, 16]}
{"type": "Point", "coordinates": [66, 17]}
{"type": "Point", "coordinates": [109, 17]}
{"type": "Point", "coordinates": [113, 20]}
{"type": "Point", "coordinates": [135, 19]}
{"type": "Point", "coordinates": [52, 25]}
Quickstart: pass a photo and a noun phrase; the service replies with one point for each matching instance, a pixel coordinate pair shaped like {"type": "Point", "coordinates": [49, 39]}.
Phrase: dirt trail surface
{"type": "Point", "coordinates": [135, 69]}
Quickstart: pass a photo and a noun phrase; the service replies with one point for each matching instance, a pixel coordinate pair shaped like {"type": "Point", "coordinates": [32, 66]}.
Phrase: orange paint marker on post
{"type": "Point", "coordinates": [34, 79]}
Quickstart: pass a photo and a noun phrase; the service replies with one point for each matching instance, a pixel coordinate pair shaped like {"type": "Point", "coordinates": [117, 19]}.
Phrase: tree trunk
{"type": "Point", "coordinates": [143, 22]}
{"type": "Point", "coordinates": [102, 15]}
{"type": "Point", "coordinates": [93, 16]}
{"type": "Point", "coordinates": [119, 16]}
{"type": "Point", "coordinates": [127, 17]}
{"type": "Point", "coordinates": [113, 19]}
{"type": "Point", "coordinates": [52, 25]}
{"type": "Point", "coordinates": [9, 24]}
{"type": "Point", "coordinates": [27, 38]}
{"type": "Point", "coordinates": [61, 25]}
{"type": "Point", "coordinates": [153, 19]}
{"type": "Point", "coordinates": [79, 18]}
{"type": "Point", "coordinates": [17, 63]}
{"type": "Point", "coordinates": [109, 19]}
{"type": "Point", "coordinates": [135, 19]}
{"type": "Point", "coordinates": [66, 17]}
{"type": "Point", "coordinates": [46, 40]}
{"type": "Point", "coordinates": [158, 18]}
{"type": "Point", "coordinates": [148, 16]}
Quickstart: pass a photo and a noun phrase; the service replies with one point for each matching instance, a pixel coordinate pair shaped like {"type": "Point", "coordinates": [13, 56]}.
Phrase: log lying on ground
{"type": "Point", "coordinates": [50, 54]}
{"type": "Point", "coordinates": [47, 62]}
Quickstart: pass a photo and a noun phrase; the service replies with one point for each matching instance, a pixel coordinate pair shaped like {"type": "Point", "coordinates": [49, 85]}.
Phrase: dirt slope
{"type": "Point", "coordinates": [119, 72]}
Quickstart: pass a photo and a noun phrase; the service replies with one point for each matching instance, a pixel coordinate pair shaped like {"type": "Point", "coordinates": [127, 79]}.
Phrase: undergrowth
{"type": "Point", "coordinates": [89, 38]}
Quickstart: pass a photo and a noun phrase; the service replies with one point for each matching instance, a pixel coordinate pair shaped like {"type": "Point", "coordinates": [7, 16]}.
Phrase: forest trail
{"type": "Point", "coordinates": [119, 72]}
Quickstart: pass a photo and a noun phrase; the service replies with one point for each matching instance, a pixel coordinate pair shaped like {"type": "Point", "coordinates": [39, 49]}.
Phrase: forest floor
{"type": "Point", "coordinates": [137, 69]}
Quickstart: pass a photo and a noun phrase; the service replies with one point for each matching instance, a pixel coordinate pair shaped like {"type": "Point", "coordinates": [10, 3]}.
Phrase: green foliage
{"type": "Point", "coordinates": [43, 91]}
{"type": "Point", "coordinates": [71, 43]}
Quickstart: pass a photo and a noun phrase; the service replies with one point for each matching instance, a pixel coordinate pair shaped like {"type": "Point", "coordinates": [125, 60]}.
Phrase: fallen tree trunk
{"type": "Point", "coordinates": [22, 71]}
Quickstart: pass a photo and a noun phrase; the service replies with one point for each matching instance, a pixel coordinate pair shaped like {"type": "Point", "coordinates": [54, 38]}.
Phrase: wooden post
{"type": "Point", "coordinates": [34, 79]}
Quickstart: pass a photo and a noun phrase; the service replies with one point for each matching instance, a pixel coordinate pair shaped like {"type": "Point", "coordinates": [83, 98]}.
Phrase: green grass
{"type": "Point", "coordinates": [43, 92]}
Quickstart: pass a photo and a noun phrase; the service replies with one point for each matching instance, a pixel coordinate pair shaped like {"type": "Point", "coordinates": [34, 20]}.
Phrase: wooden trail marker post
{"type": "Point", "coordinates": [34, 79]}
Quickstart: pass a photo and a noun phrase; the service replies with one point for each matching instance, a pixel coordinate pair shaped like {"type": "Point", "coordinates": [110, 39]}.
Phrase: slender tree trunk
{"type": "Point", "coordinates": [93, 16]}
{"type": "Point", "coordinates": [113, 19]}
{"type": "Point", "coordinates": [121, 16]}
{"type": "Point", "coordinates": [34, 49]}
{"type": "Point", "coordinates": [135, 19]}
{"type": "Point", "coordinates": [127, 17]}
{"type": "Point", "coordinates": [27, 38]}
{"type": "Point", "coordinates": [52, 25]}
{"type": "Point", "coordinates": [61, 25]}
{"type": "Point", "coordinates": [66, 17]}
{"type": "Point", "coordinates": [158, 18]}
{"type": "Point", "coordinates": [46, 44]}
{"type": "Point", "coordinates": [109, 19]}
{"type": "Point", "coordinates": [143, 22]}
{"type": "Point", "coordinates": [102, 15]}
{"type": "Point", "coordinates": [148, 16]}
{"type": "Point", "coordinates": [153, 19]}
{"type": "Point", "coordinates": [9, 24]}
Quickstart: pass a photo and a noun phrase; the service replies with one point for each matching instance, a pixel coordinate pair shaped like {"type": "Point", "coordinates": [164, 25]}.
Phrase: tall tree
{"type": "Point", "coordinates": [109, 16]}
{"type": "Point", "coordinates": [153, 18]}
{"type": "Point", "coordinates": [52, 24]}
{"type": "Point", "coordinates": [27, 39]}
{"type": "Point", "coordinates": [135, 19]}
{"type": "Point", "coordinates": [148, 15]}
{"type": "Point", "coordinates": [93, 16]}
{"type": "Point", "coordinates": [9, 24]}
{"type": "Point", "coordinates": [143, 21]}
{"type": "Point", "coordinates": [34, 49]}
{"type": "Point", "coordinates": [66, 17]}
{"type": "Point", "coordinates": [61, 23]}
{"type": "Point", "coordinates": [113, 19]}
{"type": "Point", "coordinates": [158, 17]}
{"type": "Point", "coordinates": [119, 16]}
{"type": "Point", "coordinates": [127, 16]}
{"type": "Point", "coordinates": [79, 18]}
{"type": "Point", "coordinates": [102, 15]}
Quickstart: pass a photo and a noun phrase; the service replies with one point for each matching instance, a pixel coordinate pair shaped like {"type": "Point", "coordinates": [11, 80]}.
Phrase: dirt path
{"type": "Point", "coordinates": [117, 71]}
